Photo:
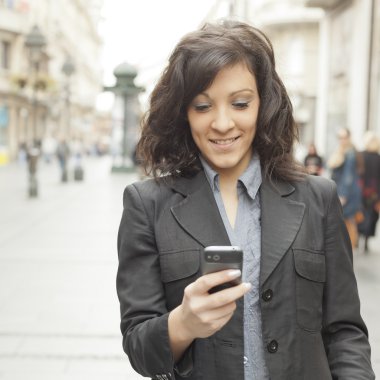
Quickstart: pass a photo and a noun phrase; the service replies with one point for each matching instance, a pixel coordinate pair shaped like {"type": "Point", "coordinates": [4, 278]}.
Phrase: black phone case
{"type": "Point", "coordinates": [217, 258]}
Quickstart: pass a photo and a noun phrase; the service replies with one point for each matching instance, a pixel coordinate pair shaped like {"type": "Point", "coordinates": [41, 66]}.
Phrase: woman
{"type": "Point", "coordinates": [370, 185]}
{"type": "Point", "coordinates": [218, 139]}
{"type": "Point", "coordinates": [313, 161]}
{"type": "Point", "coordinates": [346, 166]}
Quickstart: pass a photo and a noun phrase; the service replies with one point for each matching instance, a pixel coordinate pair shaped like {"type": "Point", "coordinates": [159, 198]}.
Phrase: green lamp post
{"type": "Point", "coordinates": [68, 69]}
{"type": "Point", "coordinates": [35, 42]}
{"type": "Point", "coordinates": [125, 88]}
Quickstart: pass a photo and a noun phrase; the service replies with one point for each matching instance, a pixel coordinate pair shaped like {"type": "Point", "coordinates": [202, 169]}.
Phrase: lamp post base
{"type": "Point", "coordinates": [123, 169]}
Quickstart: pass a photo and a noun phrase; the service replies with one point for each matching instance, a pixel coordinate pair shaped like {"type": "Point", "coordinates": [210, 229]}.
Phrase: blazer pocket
{"type": "Point", "coordinates": [177, 265]}
{"type": "Point", "coordinates": [310, 270]}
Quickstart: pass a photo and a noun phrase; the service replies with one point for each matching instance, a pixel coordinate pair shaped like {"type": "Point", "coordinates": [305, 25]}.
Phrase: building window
{"type": "Point", "coordinates": [7, 3]}
{"type": "Point", "coordinates": [5, 50]}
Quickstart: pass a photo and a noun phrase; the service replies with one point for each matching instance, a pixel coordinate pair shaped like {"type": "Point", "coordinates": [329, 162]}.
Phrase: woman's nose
{"type": "Point", "coordinates": [223, 121]}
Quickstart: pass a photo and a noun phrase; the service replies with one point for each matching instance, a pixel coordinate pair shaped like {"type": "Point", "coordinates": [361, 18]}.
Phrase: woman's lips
{"type": "Point", "coordinates": [223, 142]}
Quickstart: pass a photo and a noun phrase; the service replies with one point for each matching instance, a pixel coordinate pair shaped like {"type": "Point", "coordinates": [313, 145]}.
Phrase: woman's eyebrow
{"type": "Point", "coordinates": [242, 90]}
{"type": "Point", "coordinates": [231, 94]}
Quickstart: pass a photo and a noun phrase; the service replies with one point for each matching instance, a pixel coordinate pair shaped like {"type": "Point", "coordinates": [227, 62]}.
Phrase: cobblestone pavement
{"type": "Point", "coordinates": [59, 315]}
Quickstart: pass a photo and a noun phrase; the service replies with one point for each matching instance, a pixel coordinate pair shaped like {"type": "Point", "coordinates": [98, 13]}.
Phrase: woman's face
{"type": "Point", "coordinates": [344, 138]}
{"type": "Point", "coordinates": [223, 120]}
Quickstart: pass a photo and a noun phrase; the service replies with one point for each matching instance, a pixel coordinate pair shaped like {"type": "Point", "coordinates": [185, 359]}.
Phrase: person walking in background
{"type": "Point", "coordinates": [218, 139]}
{"type": "Point", "coordinates": [344, 164]}
{"type": "Point", "coordinates": [63, 155]}
{"type": "Point", "coordinates": [313, 161]}
{"type": "Point", "coordinates": [49, 148]}
{"type": "Point", "coordinates": [370, 185]}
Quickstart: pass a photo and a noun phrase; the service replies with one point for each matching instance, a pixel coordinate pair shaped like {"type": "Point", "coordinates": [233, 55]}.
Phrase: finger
{"type": "Point", "coordinates": [226, 296]}
{"type": "Point", "coordinates": [204, 283]}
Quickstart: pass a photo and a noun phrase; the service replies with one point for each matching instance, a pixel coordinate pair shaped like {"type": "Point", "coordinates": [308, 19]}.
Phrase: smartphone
{"type": "Point", "coordinates": [216, 258]}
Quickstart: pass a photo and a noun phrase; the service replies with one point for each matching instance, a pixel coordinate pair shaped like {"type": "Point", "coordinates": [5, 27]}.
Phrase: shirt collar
{"type": "Point", "coordinates": [251, 179]}
{"type": "Point", "coordinates": [211, 175]}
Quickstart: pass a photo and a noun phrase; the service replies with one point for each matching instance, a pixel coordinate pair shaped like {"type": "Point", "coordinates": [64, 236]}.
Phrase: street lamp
{"type": "Point", "coordinates": [35, 42]}
{"type": "Point", "coordinates": [68, 68]}
{"type": "Point", "coordinates": [125, 87]}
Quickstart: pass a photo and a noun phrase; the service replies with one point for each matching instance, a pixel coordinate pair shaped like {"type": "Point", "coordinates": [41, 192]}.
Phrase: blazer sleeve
{"type": "Point", "coordinates": [144, 316]}
{"type": "Point", "coordinates": [344, 332]}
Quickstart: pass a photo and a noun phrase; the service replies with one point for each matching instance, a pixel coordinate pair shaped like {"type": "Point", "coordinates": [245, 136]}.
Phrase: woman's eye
{"type": "Point", "coordinates": [240, 104]}
{"type": "Point", "coordinates": [202, 107]}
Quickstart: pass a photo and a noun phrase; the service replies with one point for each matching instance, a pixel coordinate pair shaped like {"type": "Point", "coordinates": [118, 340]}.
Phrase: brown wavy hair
{"type": "Point", "coordinates": [166, 146]}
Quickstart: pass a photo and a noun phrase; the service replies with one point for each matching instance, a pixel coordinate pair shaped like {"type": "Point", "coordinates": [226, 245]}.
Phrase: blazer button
{"type": "Point", "coordinates": [272, 346]}
{"type": "Point", "coordinates": [267, 295]}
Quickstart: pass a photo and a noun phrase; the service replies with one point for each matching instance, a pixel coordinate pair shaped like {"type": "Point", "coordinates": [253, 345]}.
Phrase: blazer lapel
{"type": "Point", "coordinates": [281, 219]}
{"type": "Point", "coordinates": [198, 213]}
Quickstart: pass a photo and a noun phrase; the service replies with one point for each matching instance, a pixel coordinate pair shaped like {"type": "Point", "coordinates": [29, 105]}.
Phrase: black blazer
{"type": "Point", "coordinates": [311, 323]}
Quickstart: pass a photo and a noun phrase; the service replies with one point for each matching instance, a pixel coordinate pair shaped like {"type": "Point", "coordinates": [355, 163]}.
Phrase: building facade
{"type": "Point", "coordinates": [294, 32]}
{"type": "Point", "coordinates": [52, 95]}
{"type": "Point", "coordinates": [348, 94]}
{"type": "Point", "coordinates": [328, 55]}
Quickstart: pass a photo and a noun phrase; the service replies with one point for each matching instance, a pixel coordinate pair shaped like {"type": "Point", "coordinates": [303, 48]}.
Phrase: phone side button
{"type": "Point", "coordinates": [267, 295]}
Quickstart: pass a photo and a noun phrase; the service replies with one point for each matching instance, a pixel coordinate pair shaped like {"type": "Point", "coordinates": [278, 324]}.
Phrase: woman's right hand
{"type": "Point", "coordinates": [201, 314]}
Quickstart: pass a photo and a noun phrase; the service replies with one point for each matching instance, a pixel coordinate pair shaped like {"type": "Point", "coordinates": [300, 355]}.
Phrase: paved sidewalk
{"type": "Point", "coordinates": [59, 314]}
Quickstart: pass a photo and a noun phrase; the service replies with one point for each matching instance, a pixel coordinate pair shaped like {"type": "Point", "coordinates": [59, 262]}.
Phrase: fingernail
{"type": "Point", "coordinates": [234, 273]}
{"type": "Point", "coordinates": [247, 285]}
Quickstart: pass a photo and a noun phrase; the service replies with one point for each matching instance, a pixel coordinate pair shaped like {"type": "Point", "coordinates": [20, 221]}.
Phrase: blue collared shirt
{"type": "Point", "coordinates": [247, 235]}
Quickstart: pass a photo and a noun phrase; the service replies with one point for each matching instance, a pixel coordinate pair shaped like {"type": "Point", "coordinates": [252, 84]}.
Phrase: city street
{"type": "Point", "coordinates": [59, 313]}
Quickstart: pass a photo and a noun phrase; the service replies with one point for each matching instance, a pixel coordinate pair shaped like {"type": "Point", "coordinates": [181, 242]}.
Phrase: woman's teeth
{"type": "Point", "coordinates": [224, 142]}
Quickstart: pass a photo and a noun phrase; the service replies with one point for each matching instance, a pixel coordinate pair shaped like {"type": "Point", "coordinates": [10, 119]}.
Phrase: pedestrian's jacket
{"type": "Point", "coordinates": [311, 323]}
{"type": "Point", "coordinates": [346, 177]}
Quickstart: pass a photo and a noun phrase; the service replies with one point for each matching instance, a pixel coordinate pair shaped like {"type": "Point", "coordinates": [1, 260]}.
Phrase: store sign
{"type": "Point", "coordinates": [4, 116]}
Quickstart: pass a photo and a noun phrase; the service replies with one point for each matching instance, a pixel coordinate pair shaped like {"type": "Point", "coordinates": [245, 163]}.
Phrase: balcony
{"type": "Point", "coordinates": [326, 4]}
{"type": "Point", "coordinates": [275, 13]}
{"type": "Point", "coordinates": [12, 21]}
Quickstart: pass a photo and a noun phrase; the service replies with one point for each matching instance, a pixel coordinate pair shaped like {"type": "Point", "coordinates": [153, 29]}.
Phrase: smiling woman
{"type": "Point", "coordinates": [218, 139]}
{"type": "Point", "coordinates": [170, 149]}
{"type": "Point", "coordinates": [223, 120]}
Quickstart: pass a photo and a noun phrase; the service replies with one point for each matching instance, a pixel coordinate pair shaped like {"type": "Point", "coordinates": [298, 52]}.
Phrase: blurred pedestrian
{"type": "Point", "coordinates": [63, 155]}
{"type": "Point", "coordinates": [22, 152]}
{"type": "Point", "coordinates": [313, 161]}
{"type": "Point", "coordinates": [344, 165]}
{"type": "Point", "coordinates": [49, 148]}
{"type": "Point", "coordinates": [370, 185]}
{"type": "Point", "coordinates": [218, 139]}
{"type": "Point", "coordinates": [77, 151]}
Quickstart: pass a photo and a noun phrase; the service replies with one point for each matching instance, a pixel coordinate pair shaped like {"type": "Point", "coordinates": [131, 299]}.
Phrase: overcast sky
{"type": "Point", "coordinates": [143, 33]}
